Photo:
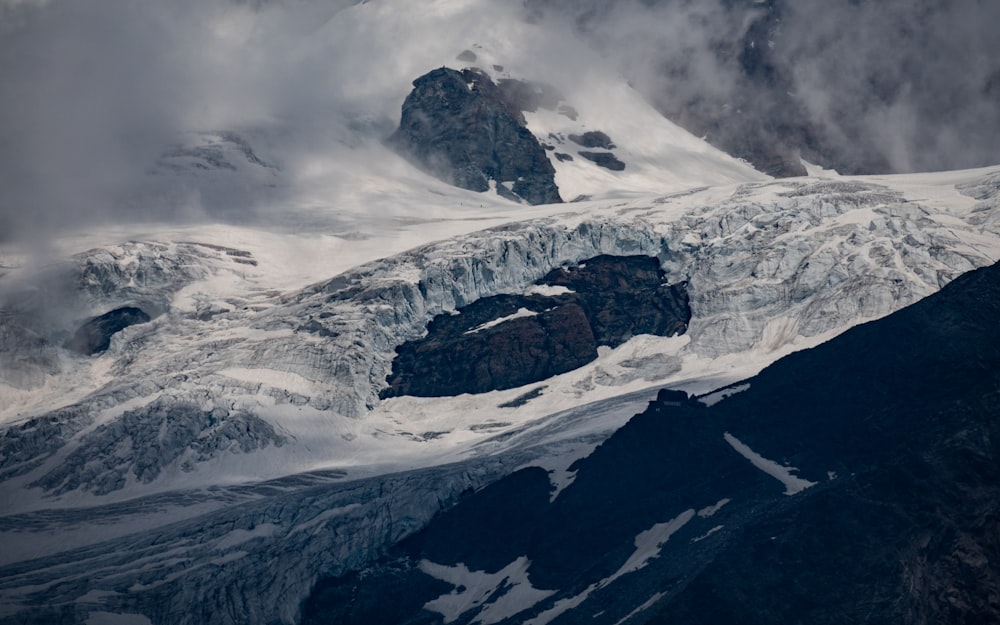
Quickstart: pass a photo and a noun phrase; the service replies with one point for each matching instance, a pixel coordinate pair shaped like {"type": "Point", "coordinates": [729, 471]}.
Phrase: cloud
{"type": "Point", "coordinates": [907, 79]}
{"type": "Point", "coordinates": [96, 91]}
{"type": "Point", "coordinates": [892, 85]}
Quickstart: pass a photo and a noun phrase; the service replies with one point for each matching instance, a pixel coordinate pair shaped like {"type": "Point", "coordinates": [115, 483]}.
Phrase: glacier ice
{"type": "Point", "coordinates": [267, 383]}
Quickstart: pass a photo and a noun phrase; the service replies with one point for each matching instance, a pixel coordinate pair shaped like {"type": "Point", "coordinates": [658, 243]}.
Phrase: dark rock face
{"type": "Point", "coordinates": [524, 398]}
{"type": "Point", "coordinates": [453, 360]}
{"type": "Point", "coordinates": [517, 352]}
{"type": "Point", "coordinates": [893, 427]}
{"type": "Point", "coordinates": [624, 296]}
{"type": "Point", "coordinates": [593, 139]}
{"type": "Point", "coordinates": [612, 299]}
{"type": "Point", "coordinates": [94, 336]}
{"type": "Point", "coordinates": [607, 160]}
{"type": "Point", "coordinates": [462, 128]}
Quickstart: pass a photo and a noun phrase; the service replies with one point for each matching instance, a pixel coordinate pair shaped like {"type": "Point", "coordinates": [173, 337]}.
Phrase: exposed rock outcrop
{"type": "Point", "coordinates": [506, 341]}
{"type": "Point", "coordinates": [94, 336]}
{"type": "Point", "coordinates": [593, 139]}
{"type": "Point", "coordinates": [464, 129]}
{"type": "Point", "coordinates": [607, 160]}
{"type": "Point", "coordinates": [528, 95]}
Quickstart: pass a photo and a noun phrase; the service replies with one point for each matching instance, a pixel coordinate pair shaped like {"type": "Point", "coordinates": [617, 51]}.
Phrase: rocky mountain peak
{"type": "Point", "coordinates": [461, 127]}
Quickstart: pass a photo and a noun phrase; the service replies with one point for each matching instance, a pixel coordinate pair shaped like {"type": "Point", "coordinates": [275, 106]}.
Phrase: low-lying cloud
{"type": "Point", "coordinates": [96, 91]}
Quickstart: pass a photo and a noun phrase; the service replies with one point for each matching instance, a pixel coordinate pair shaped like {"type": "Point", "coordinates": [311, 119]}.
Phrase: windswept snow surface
{"type": "Point", "coordinates": [520, 314]}
{"type": "Point", "coordinates": [546, 290]}
{"type": "Point", "coordinates": [645, 606]}
{"type": "Point", "coordinates": [710, 511]}
{"type": "Point", "coordinates": [648, 544]}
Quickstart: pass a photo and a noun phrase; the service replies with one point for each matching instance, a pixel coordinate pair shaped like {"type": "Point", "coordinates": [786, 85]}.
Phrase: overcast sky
{"type": "Point", "coordinates": [94, 91]}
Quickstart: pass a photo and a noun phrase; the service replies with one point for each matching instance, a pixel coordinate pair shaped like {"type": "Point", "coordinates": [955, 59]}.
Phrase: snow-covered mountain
{"type": "Point", "coordinates": [202, 413]}
{"type": "Point", "coordinates": [202, 417]}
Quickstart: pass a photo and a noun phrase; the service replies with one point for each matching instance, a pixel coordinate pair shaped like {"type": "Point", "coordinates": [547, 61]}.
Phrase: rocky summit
{"type": "Point", "coordinates": [464, 129]}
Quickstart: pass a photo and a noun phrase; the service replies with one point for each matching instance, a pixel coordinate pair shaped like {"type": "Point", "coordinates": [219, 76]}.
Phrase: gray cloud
{"type": "Point", "coordinates": [893, 85]}
{"type": "Point", "coordinates": [915, 81]}
{"type": "Point", "coordinates": [75, 116]}
{"type": "Point", "coordinates": [95, 91]}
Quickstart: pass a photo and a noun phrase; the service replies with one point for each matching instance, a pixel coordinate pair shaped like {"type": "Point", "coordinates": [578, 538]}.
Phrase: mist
{"type": "Point", "coordinates": [106, 103]}
{"type": "Point", "coordinates": [917, 82]}
{"type": "Point", "coordinates": [862, 86]}
{"type": "Point", "coordinates": [96, 92]}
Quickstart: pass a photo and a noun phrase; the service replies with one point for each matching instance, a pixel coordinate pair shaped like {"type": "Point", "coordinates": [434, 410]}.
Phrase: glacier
{"type": "Point", "coordinates": [205, 442]}
{"type": "Point", "coordinates": [772, 266]}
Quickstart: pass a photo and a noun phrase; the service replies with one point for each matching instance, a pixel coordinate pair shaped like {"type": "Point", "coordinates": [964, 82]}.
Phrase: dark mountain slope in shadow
{"type": "Point", "coordinates": [855, 482]}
